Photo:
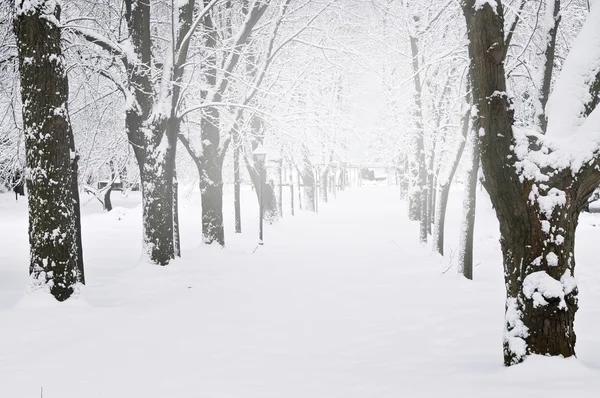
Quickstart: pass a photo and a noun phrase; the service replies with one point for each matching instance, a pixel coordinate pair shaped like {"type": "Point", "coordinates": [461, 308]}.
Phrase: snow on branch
{"type": "Point", "coordinates": [573, 95]}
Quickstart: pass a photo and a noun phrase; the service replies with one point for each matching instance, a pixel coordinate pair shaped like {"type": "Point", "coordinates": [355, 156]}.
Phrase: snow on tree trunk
{"type": "Point", "coordinates": [418, 199]}
{"type": "Point", "coordinates": [467, 226]}
{"type": "Point", "coordinates": [552, 22]}
{"type": "Point", "coordinates": [536, 196]}
{"type": "Point", "coordinates": [156, 174]}
{"type": "Point", "coordinates": [53, 234]}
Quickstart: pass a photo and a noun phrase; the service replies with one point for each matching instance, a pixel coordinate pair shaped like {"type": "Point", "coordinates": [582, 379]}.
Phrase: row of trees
{"type": "Point", "coordinates": [217, 76]}
{"type": "Point", "coordinates": [515, 87]}
{"type": "Point", "coordinates": [518, 96]}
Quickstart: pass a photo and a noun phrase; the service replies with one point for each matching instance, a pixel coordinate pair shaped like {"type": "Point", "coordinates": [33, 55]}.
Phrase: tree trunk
{"type": "Point", "coordinates": [270, 205]}
{"type": "Point", "coordinates": [465, 248]}
{"type": "Point", "coordinates": [77, 211]}
{"type": "Point", "coordinates": [446, 183]}
{"type": "Point", "coordinates": [537, 221]}
{"type": "Point", "coordinates": [211, 188]}
{"type": "Point", "coordinates": [53, 229]}
{"type": "Point", "coordinates": [553, 9]}
{"type": "Point", "coordinates": [176, 235]}
{"type": "Point", "coordinates": [156, 175]}
{"type": "Point", "coordinates": [107, 202]}
{"type": "Point", "coordinates": [237, 185]}
{"type": "Point", "coordinates": [418, 198]}
{"type": "Point", "coordinates": [308, 180]}
{"type": "Point", "coordinates": [324, 184]}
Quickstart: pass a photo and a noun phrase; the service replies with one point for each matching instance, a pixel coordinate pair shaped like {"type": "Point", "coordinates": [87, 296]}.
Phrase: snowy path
{"type": "Point", "coordinates": [341, 304]}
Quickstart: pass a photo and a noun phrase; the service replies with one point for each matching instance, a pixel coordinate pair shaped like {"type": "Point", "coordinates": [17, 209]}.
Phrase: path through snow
{"type": "Point", "coordinates": [341, 304]}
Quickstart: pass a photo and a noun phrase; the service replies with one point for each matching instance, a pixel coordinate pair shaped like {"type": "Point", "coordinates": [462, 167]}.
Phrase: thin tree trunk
{"type": "Point", "coordinates": [444, 186]}
{"type": "Point", "coordinates": [237, 185]}
{"type": "Point", "coordinates": [308, 181]}
{"type": "Point", "coordinates": [324, 184]}
{"type": "Point", "coordinates": [420, 194]}
{"type": "Point", "coordinates": [465, 248]}
{"type": "Point", "coordinates": [77, 212]}
{"type": "Point", "coordinates": [280, 189]}
{"type": "Point", "coordinates": [549, 51]}
{"type": "Point", "coordinates": [176, 235]}
{"type": "Point", "coordinates": [53, 219]}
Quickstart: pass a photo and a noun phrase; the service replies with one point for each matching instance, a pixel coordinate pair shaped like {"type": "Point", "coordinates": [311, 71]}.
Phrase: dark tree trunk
{"type": "Point", "coordinates": [465, 249]}
{"type": "Point", "coordinates": [53, 219]}
{"type": "Point", "coordinates": [156, 175]}
{"type": "Point", "coordinates": [537, 221]}
{"type": "Point", "coordinates": [107, 202]}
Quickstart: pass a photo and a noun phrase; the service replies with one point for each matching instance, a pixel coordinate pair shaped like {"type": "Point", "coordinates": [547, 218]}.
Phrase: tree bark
{"type": "Point", "coordinates": [467, 226]}
{"type": "Point", "coordinates": [420, 194]}
{"type": "Point", "coordinates": [54, 234]}
{"type": "Point", "coordinates": [537, 220]}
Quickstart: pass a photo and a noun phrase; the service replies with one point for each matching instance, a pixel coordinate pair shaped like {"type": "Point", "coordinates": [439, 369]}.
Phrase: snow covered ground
{"type": "Point", "coordinates": [344, 304]}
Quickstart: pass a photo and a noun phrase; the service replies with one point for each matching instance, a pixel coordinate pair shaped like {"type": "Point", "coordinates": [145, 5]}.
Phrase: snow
{"type": "Point", "coordinates": [340, 304]}
{"type": "Point", "coordinates": [565, 107]}
{"type": "Point", "coordinates": [481, 3]}
{"type": "Point", "coordinates": [540, 286]}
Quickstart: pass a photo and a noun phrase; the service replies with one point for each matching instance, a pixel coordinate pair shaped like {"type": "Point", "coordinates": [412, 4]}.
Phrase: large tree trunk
{"type": "Point", "coordinates": [537, 221]}
{"type": "Point", "coordinates": [467, 226]}
{"type": "Point", "coordinates": [156, 175]}
{"type": "Point", "coordinates": [53, 219]}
